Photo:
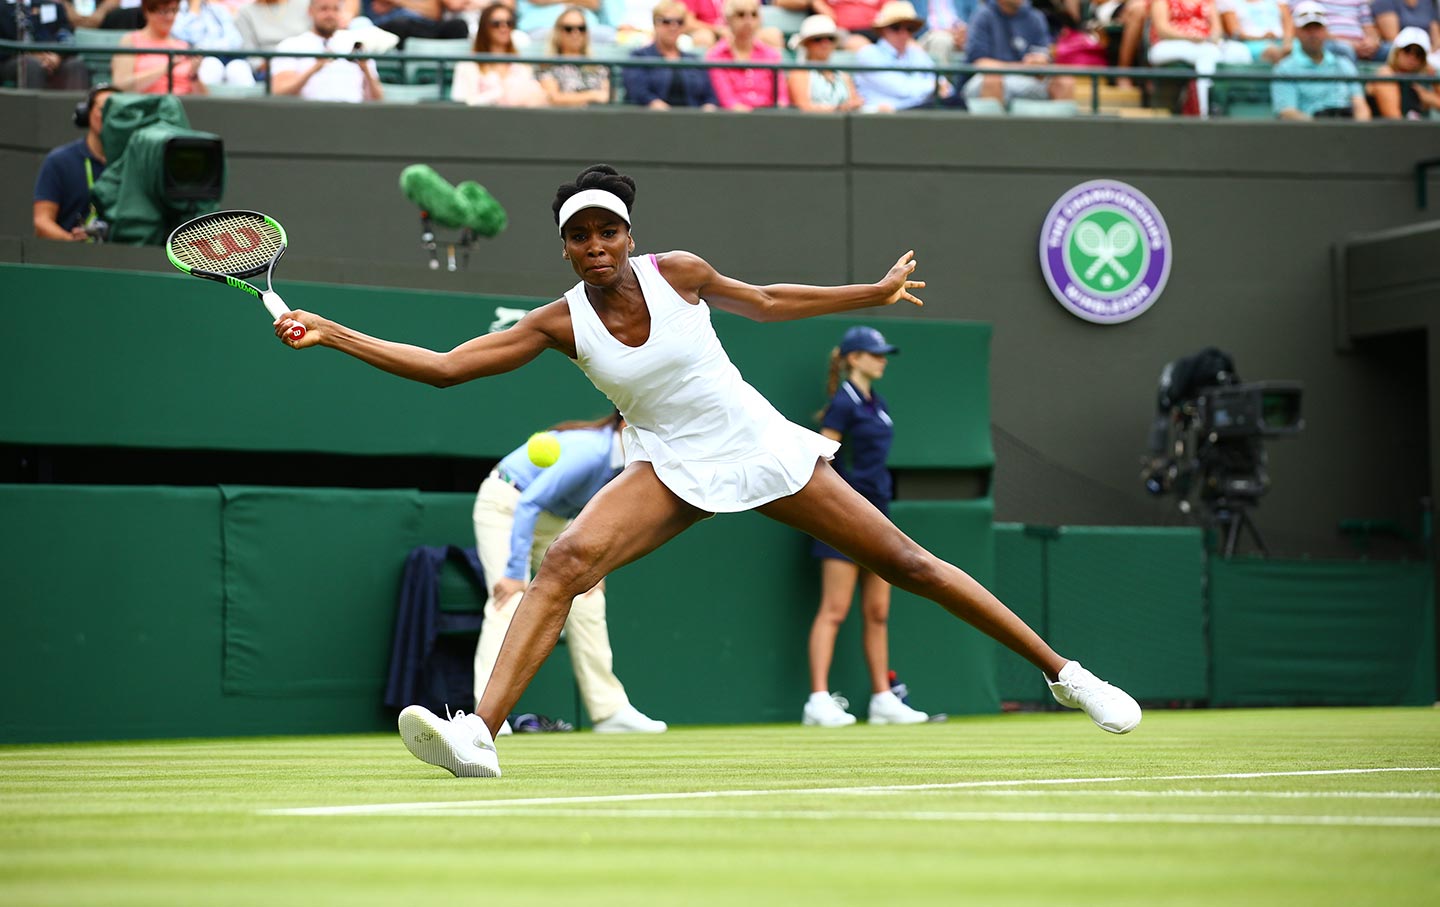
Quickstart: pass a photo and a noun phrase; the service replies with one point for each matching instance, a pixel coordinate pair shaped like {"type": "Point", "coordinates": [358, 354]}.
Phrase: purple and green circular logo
{"type": "Point", "coordinates": [1105, 251]}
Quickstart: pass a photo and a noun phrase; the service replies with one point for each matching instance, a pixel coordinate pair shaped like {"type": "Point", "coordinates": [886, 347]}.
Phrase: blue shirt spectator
{"type": "Point", "coordinates": [898, 87]}
{"type": "Point", "coordinates": [1310, 98]}
{"type": "Point", "coordinates": [65, 179]}
{"type": "Point", "coordinates": [588, 459]}
{"type": "Point", "coordinates": [672, 85]}
{"type": "Point", "coordinates": [1007, 36]}
{"type": "Point", "coordinates": [43, 22]}
{"type": "Point", "coordinates": [1421, 14]}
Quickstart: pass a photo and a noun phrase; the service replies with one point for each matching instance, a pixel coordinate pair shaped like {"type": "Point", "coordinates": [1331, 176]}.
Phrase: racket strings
{"type": "Point", "coordinates": [236, 244]}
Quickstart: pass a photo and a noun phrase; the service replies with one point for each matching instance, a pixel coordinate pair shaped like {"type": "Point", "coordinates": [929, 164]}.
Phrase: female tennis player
{"type": "Point", "coordinates": [698, 441]}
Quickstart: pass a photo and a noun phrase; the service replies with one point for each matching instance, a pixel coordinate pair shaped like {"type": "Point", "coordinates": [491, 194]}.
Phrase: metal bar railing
{"type": "Point", "coordinates": [955, 73]}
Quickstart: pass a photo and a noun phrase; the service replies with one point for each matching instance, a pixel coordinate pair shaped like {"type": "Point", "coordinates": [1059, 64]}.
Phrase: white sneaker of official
{"type": "Point", "coordinates": [630, 720]}
{"type": "Point", "coordinates": [825, 709]}
{"type": "Point", "coordinates": [886, 708]}
{"type": "Point", "coordinates": [461, 745]}
{"type": "Point", "coordinates": [1110, 707]}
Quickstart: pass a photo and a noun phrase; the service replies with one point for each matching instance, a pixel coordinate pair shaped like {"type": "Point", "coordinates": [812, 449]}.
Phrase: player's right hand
{"type": "Point", "coordinates": [313, 324]}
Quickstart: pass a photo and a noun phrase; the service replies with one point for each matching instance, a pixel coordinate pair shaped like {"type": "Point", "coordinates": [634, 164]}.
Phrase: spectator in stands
{"type": "Point", "coordinates": [496, 84]}
{"type": "Point", "coordinates": [415, 19]}
{"type": "Point", "coordinates": [325, 78]}
{"type": "Point", "coordinates": [536, 18]}
{"type": "Point", "coordinates": [1352, 31]}
{"type": "Point", "coordinates": [1393, 15]}
{"type": "Point", "coordinates": [1004, 35]}
{"type": "Point", "coordinates": [1080, 44]}
{"type": "Point", "coordinates": [519, 511]}
{"type": "Point", "coordinates": [208, 25]}
{"type": "Point", "coordinates": [663, 87]}
{"type": "Point", "coordinates": [820, 90]}
{"type": "Point", "coordinates": [947, 25]}
{"type": "Point", "coordinates": [572, 84]}
{"type": "Point", "coordinates": [62, 190]}
{"type": "Point", "coordinates": [1406, 100]}
{"type": "Point", "coordinates": [156, 73]}
{"type": "Point", "coordinates": [706, 24]}
{"type": "Point", "coordinates": [858, 18]}
{"type": "Point", "coordinates": [1306, 100]}
{"type": "Point", "coordinates": [1263, 26]}
{"type": "Point", "coordinates": [906, 87]}
{"type": "Point", "coordinates": [263, 24]}
{"type": "Point", "coordinates": [95, 18]}
{"type": "Point", "coordinates": [46, 69]}
{"type": "Point", "coordinates": [1132, 16]}
{"type": "Point", "coordinates": [746, 89]}
{"type": "Point", "coordinates": [1189, 32]}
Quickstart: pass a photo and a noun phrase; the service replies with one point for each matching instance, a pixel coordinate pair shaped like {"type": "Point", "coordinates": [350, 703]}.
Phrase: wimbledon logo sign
{"type": "Point", "coordinates": [1105, 251]}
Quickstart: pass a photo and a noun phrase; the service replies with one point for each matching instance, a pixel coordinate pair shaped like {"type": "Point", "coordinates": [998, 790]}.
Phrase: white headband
{"type": "Point", "coordinates": [592, 198]}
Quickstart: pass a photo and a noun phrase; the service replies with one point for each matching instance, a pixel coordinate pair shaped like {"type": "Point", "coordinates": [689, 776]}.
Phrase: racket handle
{"type": "Point", "coordinates": [277, 307]}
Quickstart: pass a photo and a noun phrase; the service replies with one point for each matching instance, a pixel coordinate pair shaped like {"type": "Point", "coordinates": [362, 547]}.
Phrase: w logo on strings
{"type": "Point", "coordinates": [231, 243]}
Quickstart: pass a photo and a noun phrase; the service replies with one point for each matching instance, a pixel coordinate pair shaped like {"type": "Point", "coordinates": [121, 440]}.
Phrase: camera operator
{"type": "Point", "coordinates": [62, 190]}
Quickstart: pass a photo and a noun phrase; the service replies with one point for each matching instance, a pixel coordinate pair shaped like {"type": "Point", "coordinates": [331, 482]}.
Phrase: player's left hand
{"type": "Point", "coordinates": [897, 284]}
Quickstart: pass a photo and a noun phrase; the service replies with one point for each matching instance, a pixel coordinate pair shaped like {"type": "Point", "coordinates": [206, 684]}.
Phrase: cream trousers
{"type": "Point", "coordinates": [586, 633]}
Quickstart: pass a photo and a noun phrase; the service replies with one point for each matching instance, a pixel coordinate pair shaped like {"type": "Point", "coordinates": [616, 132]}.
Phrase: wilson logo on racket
{"type": "Point", "coordinates": [229, 244]}
{"type": "Point", "coordinates": [239, 284]}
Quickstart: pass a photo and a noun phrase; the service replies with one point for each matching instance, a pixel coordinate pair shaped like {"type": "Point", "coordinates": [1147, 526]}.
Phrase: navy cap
{"type": "Point", "coordinates": [861, 339]}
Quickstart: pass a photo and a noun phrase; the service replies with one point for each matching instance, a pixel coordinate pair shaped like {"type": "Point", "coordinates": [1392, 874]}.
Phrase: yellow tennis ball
{"type": "Point", "coordinates": [543, 448]}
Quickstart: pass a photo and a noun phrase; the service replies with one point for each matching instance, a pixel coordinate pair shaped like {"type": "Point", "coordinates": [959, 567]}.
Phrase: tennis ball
{"type": "Point", "coordinates": [543, 448]}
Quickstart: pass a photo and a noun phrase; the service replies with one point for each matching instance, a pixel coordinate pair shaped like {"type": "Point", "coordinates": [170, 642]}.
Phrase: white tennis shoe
{"type": "Point", "coordinates": [886, 708]}
{"type": "Point", "coordinates": [1110, 707]}
{"type": "Point", "coordinates": [461, 745]}
{"type": "Point", "coordinates": [827, 710]}
{"type": "Point", "coordinates": [630, 720]}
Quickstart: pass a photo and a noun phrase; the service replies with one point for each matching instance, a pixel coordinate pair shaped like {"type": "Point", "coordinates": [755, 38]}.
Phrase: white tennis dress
{"type": "Point", "coordinates": [711, 438]}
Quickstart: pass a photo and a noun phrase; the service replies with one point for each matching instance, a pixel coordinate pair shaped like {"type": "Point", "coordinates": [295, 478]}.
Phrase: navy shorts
{"type": "Point", "coordinates": [821, 551]}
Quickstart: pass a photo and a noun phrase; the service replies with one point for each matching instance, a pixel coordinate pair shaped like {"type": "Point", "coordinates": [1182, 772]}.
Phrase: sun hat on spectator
{"type": "Point", "coordinates": [1309, 13]}
{"type": "Point", "coordinates": [814, 27]}
{"type": "Point", "coordinates": [1410, 36]}
{"type": "Point", "coordinates": [895, 12]}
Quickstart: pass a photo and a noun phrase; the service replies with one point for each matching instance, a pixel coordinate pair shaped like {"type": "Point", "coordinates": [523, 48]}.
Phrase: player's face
{"type": "Point", "coordinates": [598, 245]}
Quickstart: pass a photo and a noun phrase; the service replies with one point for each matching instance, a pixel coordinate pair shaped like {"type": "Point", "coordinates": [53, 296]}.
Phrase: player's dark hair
{"type": "Point", "coordinates": [596, 176]}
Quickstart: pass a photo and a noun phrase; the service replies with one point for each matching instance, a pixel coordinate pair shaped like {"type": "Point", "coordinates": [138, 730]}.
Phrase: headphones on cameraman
{"type": "Point", "coordinates": [82, 108]}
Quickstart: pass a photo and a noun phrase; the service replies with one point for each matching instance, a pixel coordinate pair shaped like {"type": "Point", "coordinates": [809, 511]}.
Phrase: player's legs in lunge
{"type": "Point", "coordinates": [829, 509]}
{"type": "Point", "coordinates": [631, 516]}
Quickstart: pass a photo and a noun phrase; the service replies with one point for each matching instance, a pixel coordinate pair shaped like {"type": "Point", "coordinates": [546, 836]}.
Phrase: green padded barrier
{"type": "Point", "coordinates": [215, 386]}
{"type": "Point", "coordinates": [1316, 632]}
{"type": "Point", "coordinates": [1020, 584]}
{"type": "Point", "coordinates": [1125, 601]}
{"type": "Point", "coordinates": [112, 615]}
{"type": "Point", "coordinates": [311, 577]}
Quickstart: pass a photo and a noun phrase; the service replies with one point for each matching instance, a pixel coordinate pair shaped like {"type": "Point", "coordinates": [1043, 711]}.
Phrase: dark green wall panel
{"type": "Point", "coordinates": [1020, 583]}
{"type": "Point", "coordinates": [1349, 633]}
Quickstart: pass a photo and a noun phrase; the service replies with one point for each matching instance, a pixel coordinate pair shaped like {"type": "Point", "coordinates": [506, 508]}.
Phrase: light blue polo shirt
{"type": "Point", "coordinates": [1308, 97]}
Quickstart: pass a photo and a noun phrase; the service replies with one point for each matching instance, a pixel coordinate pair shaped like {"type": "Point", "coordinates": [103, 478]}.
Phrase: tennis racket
{"type": "Point", "coordinates": [229, 246]}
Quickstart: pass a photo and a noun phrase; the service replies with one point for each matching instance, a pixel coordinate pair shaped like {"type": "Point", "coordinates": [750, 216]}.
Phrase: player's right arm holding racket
{"type": "Point", "coordinates": [547, 327]}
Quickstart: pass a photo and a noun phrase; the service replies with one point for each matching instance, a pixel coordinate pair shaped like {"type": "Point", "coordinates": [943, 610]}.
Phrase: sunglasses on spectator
{"type": "Point", "coordinates": [502, 23]}
{"type": "Point", "coordinates": [826, 38]}
{"type": "Point", "coordinates": [667, 21]}
{"type": "Point", "coordinates": [746, 14]}
{"type": "Point", "coordinates": [572, 29]}
{"type": "Point", "coordinates": [901, 26]}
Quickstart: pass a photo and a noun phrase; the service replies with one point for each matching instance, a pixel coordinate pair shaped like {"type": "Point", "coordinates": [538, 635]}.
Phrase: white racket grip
{"type": "Point", "coordinates": [277, 307]}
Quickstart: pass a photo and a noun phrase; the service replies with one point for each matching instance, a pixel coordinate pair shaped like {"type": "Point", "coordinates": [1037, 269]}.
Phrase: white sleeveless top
{"type": "Point", "coordinates": [711, 438]}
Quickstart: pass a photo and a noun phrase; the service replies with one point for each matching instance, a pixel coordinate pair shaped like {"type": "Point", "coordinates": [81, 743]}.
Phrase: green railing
{"type": "Point", "coordinates": [955, 74]}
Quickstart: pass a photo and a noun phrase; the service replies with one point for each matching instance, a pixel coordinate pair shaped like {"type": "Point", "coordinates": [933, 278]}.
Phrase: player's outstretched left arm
{"type": "Point", "coordinates": [489, 354]}
{"type": "Point", "coordinates": [788, 301]}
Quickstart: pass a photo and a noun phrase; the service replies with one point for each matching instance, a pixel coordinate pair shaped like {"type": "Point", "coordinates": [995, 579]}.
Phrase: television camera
{"type": "Point", "coordinates": [1207, 443]}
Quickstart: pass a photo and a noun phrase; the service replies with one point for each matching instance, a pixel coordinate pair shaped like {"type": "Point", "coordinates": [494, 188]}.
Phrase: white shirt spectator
{"type": "Point", "coordinates": [340, 80]}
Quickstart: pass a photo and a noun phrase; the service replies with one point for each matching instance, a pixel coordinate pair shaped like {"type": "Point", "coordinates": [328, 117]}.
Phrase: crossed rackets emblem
{"type": "Point", "coordinates": [1107, 247]}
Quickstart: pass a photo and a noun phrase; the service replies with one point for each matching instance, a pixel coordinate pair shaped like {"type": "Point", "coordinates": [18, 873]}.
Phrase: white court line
{"type": "Point", "coordinates": [1246, 794]}
{"type": "Point", "coordinates": [935, 816]}
{"type": "Point", "coordinates": [384, 808]}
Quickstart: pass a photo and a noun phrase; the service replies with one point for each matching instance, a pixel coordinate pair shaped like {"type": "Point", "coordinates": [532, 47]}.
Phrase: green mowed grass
{"type": "Point", "coordinates": [951, 813]}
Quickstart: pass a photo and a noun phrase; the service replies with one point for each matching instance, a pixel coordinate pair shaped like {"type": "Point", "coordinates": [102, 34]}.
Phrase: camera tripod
{"type": "Point", "coordinates": [1230, 517]}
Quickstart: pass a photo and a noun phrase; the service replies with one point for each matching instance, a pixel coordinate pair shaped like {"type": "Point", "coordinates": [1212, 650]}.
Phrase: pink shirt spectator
{"type": "Point", "coordinates": [747, 87]}
{"type": "Point", "coordinates": [184, 73]}
{"type": "Point", "coordinates": [856, 15]}
{"type": "Point", "coordinates": [707, 11]}
{"type": "Point", "coordinates": [1190, 18]}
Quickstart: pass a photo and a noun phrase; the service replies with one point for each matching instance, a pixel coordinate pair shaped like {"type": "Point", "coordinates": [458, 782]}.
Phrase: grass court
{"type": "Point", "coordinates": [1314, 807]}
